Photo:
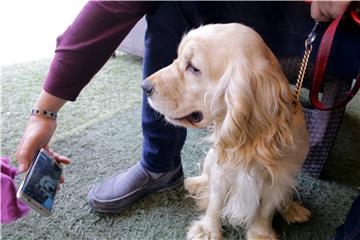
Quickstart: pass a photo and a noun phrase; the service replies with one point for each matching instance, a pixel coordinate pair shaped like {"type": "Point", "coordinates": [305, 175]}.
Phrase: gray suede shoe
{"type": "Point", "coordinates": [122, 190]}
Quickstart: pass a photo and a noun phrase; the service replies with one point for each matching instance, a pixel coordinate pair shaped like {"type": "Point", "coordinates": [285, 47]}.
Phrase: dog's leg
{"type": "Point", "coordinates": [198, 187]}
{"type": "Point", "coordinates": [209, 226]}
{"type": "Point", "coordinates": [295, 213]}
{"type": "Point", "coordinates": [261, 228]}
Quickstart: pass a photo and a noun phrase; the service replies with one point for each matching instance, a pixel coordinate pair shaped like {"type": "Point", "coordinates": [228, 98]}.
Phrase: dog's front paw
{"type": "Point", "coordinates": [200, 231]}
{"type": "Point", "coordinates": [296, 213]}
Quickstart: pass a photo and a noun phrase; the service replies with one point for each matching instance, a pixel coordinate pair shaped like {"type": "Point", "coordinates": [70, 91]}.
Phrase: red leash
{"type": "Point", "coordinates": [320, 67]}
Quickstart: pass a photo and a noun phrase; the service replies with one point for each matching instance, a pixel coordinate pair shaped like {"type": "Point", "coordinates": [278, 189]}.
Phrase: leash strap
{"type": "Point", "coordinates": [320, 67]}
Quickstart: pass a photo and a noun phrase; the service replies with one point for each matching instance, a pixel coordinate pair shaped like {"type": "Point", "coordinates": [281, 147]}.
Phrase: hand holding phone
{"type": "Point", "coordinates": [38, 189]}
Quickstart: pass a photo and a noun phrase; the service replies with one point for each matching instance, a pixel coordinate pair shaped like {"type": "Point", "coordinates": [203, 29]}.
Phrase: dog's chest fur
{"type": "Point", "coordinates": [248, 190]}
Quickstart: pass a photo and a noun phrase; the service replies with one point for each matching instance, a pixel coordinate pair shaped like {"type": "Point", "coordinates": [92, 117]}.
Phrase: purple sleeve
{"type": "Point", "coordinates": [88, 43]}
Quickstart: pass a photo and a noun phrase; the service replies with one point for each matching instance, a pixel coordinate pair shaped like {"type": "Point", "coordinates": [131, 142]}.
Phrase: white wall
{"type": "Point", "coordinates": [29, 28]}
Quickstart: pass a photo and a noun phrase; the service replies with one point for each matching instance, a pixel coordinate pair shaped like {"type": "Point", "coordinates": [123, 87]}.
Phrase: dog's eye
{"type": "Point", "coordinates": [192, 68]}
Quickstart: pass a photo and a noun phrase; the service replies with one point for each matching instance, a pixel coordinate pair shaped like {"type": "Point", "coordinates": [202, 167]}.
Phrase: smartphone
{"type": "Point", "coordinates": [38, 188]}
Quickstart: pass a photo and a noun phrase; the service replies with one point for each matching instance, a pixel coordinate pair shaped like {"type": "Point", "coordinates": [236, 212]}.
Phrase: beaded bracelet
{"type": "Point", "coordinates": [46, 113]}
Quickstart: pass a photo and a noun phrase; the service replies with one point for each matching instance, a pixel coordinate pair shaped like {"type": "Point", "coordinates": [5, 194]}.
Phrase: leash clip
{"type": "Point", "coordinates": [312, 36]}
{"type": "Point", "coordinates": [308, 48]}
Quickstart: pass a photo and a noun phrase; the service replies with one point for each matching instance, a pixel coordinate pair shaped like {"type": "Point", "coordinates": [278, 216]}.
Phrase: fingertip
{"type": "Point", "coordinates": [22, 168]}
{"type": "Point", "coordinates": [67, 161]}
{"type": "Point", "coordinates": [64, 160]}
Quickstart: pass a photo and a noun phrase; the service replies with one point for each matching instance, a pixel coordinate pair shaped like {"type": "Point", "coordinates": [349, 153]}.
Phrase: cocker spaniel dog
{"type": "Point", "coordinates": [226, 78]}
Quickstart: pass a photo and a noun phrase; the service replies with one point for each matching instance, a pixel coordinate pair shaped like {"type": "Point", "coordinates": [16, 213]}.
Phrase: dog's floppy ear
{"type": "Point", "coordinates": [256, 127]}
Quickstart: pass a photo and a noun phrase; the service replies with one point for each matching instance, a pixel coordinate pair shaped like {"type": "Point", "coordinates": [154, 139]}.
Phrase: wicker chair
{"type": "Point", "coordinates": [322, 125]}
{"type": "Point", "coordinates": [134, 41]}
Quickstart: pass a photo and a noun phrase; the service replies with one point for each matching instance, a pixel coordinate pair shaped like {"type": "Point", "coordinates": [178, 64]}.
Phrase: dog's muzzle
{"type": "Point", "coordinates": [194, 117]}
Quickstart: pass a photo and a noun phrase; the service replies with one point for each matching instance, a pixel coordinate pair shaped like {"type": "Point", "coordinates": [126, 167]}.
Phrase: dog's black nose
{"type": "Point", "coordinates": [147, 87]}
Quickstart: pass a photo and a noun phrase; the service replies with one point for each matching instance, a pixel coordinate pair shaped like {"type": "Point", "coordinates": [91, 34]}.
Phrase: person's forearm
{"type": "Point", "coordinates": [49, 102]}
{"type": "Point", "coordinates": [88, 43]}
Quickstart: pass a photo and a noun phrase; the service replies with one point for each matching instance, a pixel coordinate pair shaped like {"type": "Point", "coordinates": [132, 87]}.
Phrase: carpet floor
{"type": "Point", "coordinates": [101, 133]}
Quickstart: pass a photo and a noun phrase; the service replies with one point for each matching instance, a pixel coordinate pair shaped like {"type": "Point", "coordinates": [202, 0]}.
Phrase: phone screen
{"type": "Point", "coordinates": [42, 180]}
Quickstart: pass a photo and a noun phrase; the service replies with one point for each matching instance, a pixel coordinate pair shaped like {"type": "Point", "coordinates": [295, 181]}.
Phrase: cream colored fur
{"type": "Point", "coordinates": [260, 140]}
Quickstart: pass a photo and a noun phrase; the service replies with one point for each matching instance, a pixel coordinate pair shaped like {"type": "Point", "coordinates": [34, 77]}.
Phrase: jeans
{"type": "Point", "coordinates": [283, 26]}
{"type": "Point", "coordinates": [350, 230]}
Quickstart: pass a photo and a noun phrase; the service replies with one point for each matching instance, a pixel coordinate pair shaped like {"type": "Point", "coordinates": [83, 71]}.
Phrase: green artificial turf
{"type": "Point", "coordinates": [101, 133]}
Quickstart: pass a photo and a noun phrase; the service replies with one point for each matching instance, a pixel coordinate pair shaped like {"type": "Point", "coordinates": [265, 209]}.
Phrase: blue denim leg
{"type": "Point", "coordinates": [162, 141]}
{"type": "Point", "coordinates": [350, 230]}
{"type": "Point", "coordinates": [283, 26]}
